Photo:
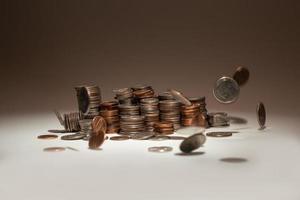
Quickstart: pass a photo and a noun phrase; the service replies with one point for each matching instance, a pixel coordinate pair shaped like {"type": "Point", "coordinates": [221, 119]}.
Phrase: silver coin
{"type": "Point", "coordinates": [142, 135]}
{"type": "Point", "coordinates": [192, 143]}
{"type": "Point", "coordinates": [179, 97]}
{"type": "Point", "coordinates": [261, 115]}
{"type": "Point", "coordinates": [160, 149]}
{"type": "Point", "coordinates": [219, 134]}
{"type": "Point", "coordinates": [76, 136]}
{"type": "Point", "coordinates": [226, 90]}
{"type": "Point", "coordinates": [120, 138]}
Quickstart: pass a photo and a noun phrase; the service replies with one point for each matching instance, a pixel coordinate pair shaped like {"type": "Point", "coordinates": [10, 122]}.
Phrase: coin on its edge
{"type": "Point", "coordinates": [160, 149]}
{"type": "Point", "coordinates": [99, 124]}
{"type": "Point", "coordinates": [219, 134]}
{"type": "Point", "coordinates": [96, 140]}
{"type": "Point", "coordinates": [261, 115]}
{"type": "Point", "coordinates": [54, 149]}
{"type": "Point", "coordinates": [47, 137]}
{"type": "Point", "coordinates": [192, 143]}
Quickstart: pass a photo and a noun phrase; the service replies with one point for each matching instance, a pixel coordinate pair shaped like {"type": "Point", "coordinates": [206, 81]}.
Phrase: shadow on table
{"type": "Point", "coordinates": [197, 153]}
{"type": "Point", "coordinates": [234, 160]}
{"type": "Point", "coordinates": [237, 120]}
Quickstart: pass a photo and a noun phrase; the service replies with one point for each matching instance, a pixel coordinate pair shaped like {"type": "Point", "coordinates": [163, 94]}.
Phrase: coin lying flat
{"type": "Point", "coordinates": [96, 140]}
{"type": "Point", "coordinates": [76, 136]}
{"type": "Point", "coordinates": [120, 138]}
{"type": "Point", "coordinates": [47, 137]}
{"type": "Point", "coordinates": [226, 90]}
{"type": "Point", "coordinates": [159, 138]}
{"type": "Point", "coordinates": [219, 134]}
{"type": "Point", "coordinates": [160, 149]}
{"type": "Point", "coordinates": [174, 137]}
{"type": "Point", "coordinates": [142, 135]}
{"type": "Point", "coordinates": [192, 143]}
{"type": "Point", "coordinates": [54, 149]}
{"type": "Point", "coordinates": [261, 115]}
{"type": "Point", "coordinates": [241, 75]}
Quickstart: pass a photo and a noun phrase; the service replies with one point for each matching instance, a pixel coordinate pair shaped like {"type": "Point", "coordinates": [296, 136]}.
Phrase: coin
{"type": "Point", "coordinates": [226, 90]}
{"type": "Point", "coordinates": [261, 115]}
{"type": "Point", "coordinates": [192, 143]}
{"type": "Point", "coordinates": [58, 131]}
{"type": "Point", "coordinates": [219, 134]}
{"type": "Point", "coordinates": [54, 149]}
{"type": "Point", "coordinates": [142, 135]}
{"type": "Point", "coordinates": [160, 149]}
{"type": "Point", "coordinates": [159, 138]}
{"type": "Point", "coordinates": [59, 117]}
{"type": "Point", "coordinates": [120, 138]}
{"type": "Point", "coordinates": [76, 136]}
{"type": "Point", "coordinates": [47, 137]}
{"type": "Point", "coordinates": [179, 97]}
{"type": "Point", "coordinates": [99, 124]}
{"type": "Point", "coordinates": [96, 140]}
{"type": "Point", "coordinates": [241, 75]}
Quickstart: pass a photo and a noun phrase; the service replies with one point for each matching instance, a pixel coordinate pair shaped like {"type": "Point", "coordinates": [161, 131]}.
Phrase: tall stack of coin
{"type": "Point", "coordinates": [203, 118]}
{"type": "Point", "coordinates": [71, 121]}
{"type": "Point", "coordinates": [164, 128]}
{"type": "Point", "coordinates": [169, 111]}
{"type": "Point", "coordinates": [132, 124]}
{"type": "Point", "coordinates": [143, 91]}
{"type": "Point", "coordinates": [125, 96]}
{"type": "Point", "coordinates": [89, 99]}
{"type": "Point", "coordinates": [218, 119]}
{"type": "Point", "coordinates": [149, 109]}
{"type": "Point", "coordinates": [85, 126]}
{"type": "Point", "coordinates": [109, 110]}
{"type": "Point", "coordinates": [190, 114]}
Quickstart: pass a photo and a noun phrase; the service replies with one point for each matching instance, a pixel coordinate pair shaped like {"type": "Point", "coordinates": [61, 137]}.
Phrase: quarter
{"type": "Point", "coordinates": [226, 90]}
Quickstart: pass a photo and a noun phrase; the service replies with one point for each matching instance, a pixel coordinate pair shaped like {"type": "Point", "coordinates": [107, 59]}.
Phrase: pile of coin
{"type": "Point", "coordinates": [132, 124]}
{"type": "Point", "coordinates": [169, 111]}
{"type": "Point", "coordinates": [85, 126]}
{"type": "Point", "coordinates": [89, 99]}
{"type": "Point", "coordinates": [149, 109]}
{"type": "Point", "coordinates": [71, 121]}
{"type": "Point", "coordinates": [190, 114]}
{"type": "Point", "coordinates": [202, 119]}
{"type": "Point", "coordinates": [143, 91]}
{"type": "Point", "coordinates": [218, 119]}
{"type": "Point", "coordinates": [109, 110]}
{"type": "Point", "coordinates": [125, 96]}
{"type": "Point", "coordinates": [164, 128]}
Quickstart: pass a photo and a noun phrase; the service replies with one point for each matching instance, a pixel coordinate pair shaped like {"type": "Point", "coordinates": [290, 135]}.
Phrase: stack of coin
{"type": "Point", "coordinates": [165, 96]}
{"type": "Point", "coordinates": [190, 114]}
{"type": "Point", "coordinates": [218, 119]}
{"type": "Point", "coordinates": [143, 91]}
{"type": "Point", "coordinates": [71, 121]}
{"type": "Point", "coordinates": [132, 124]}
{"type": "Point", "coordinates": [203, 118]}
{"type": "Point", "coordinates": [131, 110]}
{"type": "Point", "coordinates": [125, 96]}
{"type": "Point", "coordinates": [169, 111]}
{"type": "Point", "coordinates": [149, 109]}
{"type": "Point", "coordinates": [85, 126]}
{"type": "Point", "coordinates": [109, 110]}
{"type": "Point", "coordinates": [89, 99]}
{"type": "Point", "coordinates": [164, 128]}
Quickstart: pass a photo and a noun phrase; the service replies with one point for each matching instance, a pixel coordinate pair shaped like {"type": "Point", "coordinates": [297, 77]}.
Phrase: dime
{"type": "Point", "coordinates": [120, 138]}
{"type": "Point", "coordinates": [76, 136]}
{"type": "Point", "coordinates": [226, 90]}
{"type": "Point", "coordinates": [261, 115]}
{"type": "Point", "coordinates": [219, 134]}
{"type": "Point", "coordinates": [54, 149]}
{"type": "Point", "coordinates": [193, 142]}
{"type": "Point", "coordinates": [47, 137]}
{"type": "Point", "coordinates": [99, 124]}
{"type": "Point", "coordinates": [179, 97]}
{"type": "Point", "coordinates": [241, 75]}
{"type": "Point", "coordinates": [160, 149]}
{"type": "Point", "coordinates": [96, 140]}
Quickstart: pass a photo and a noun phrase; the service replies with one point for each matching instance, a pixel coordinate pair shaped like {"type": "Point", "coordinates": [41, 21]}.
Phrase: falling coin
{"type": "Point", "coordinates": [96, 140]}
{"type": "Point", "coordinates": [160, 149]}
{"type": "Point", "coordinates": [241, 75]}
{"type": "Point", "coordinates": [120, 138]}
{"type": "Point", "coordinates": [226, 90]}
{"type": "Point", "coordinates": [47, 137]}
{"type": "Point", "coordinates": [179, 97]}
{"type": "Point", "coordinates": [76, 136]}
{"type": "Point", "coordinates": [261, 115]}
{"type": "Point", "coordinates": [54, 149]}
{"type": "Point", "coordinates": [219, 134]}
{"type": "Point", "coordinates": [192, 143]}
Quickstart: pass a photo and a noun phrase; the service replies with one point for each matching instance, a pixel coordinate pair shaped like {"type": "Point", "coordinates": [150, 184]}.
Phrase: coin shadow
{"type": "Point", "coordinates": [196, 153]}
{"type": "Point", "coordinates": [234, 160]}
{"type": "Point", "coordinates": [237, 120]}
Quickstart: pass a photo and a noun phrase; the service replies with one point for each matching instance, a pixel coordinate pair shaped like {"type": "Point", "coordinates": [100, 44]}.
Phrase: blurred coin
{"type": "Point", "coordinates": [54, 149]}
{"type": "Point", "coordinates": [179, 97]}
{"type": "Point", "coordinates": [96, 140]}
{"type": "Point", "coordinates": [47, 137]}
{"type": "Point", "coordinates": [72, 149]}
{"type": "Point", "coordinates": [59, 117]}
{"type": "Point", "coordinates": [261, 115]}
{"type": "Point", "coordinates": [120, 138]}
{"type": "Point", "coordinates": [160, 149]}
{"type": "Point", "coordinates": [159, 138]}
{"type": "Point", "coordinates": [241, 75]}
{"type": "Point", "coordinates": [83, 99]}
{"type": "Point", "coordinates": [173, 137]}
{"type": "Point", "coordinates": [192, 143]}
{"type": "Point", "coordinates": [219, 134]}
{"type": "Point", "coordinates": [226, 90]}
{"type": "Point", "coordinates": [99, 124]}
{"type": "Point", "coordinates": [142, 135]}
{"type": "Point", "coordinates": [58, 131]}
{"type": "Point", "coordinates": [76, 136]}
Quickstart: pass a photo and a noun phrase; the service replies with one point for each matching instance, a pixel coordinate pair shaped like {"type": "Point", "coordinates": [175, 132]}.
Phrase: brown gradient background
{"type": "Point", "coordinates": [48, 47]}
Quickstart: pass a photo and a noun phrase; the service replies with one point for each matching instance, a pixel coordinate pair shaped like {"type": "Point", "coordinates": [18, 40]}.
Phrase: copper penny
{"type": "Point", "coordinates": [96, 140]}
{"type": "Point", "coordinates": [99, 124]}
{"type": "Point", "coordinates": [54, 149]}
{"type": "Point", "coordinates": [47, 137]}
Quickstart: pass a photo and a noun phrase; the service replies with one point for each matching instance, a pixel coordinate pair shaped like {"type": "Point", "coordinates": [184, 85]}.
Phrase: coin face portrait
{"type": "Point", "coordinates": [226, 90]}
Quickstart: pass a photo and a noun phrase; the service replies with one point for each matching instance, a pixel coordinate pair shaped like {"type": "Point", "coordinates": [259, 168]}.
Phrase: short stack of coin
{"type": "Point", "coordinates": [203, 118]}
{"type": "Point", "coordinates": [132, 124]}
{"type": "Point", "coordinates": [190, 114]}
{"type": "Point", "coordinates": [71, 121]}
{"type": "Point", "coordinates": [143, 91]}
{"type": "Point", "coordinates": [85, 126]}
{"type": "Point", "coordinates": [109, 110]}
{"type": "Point", "coordinates": [218, 119]}
{"type": "Point", "coordinates": [169, 111]}
{"type": "Point", "coordinates": [125, 96]}
{"type": "Point", "coordinates": [149, 109]}
{"type": "Point", "coordinates": [164, 128]}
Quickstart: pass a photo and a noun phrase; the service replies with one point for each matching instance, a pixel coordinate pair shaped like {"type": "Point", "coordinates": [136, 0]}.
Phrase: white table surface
{"type": "Point", "coordinates": [126, 170]}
